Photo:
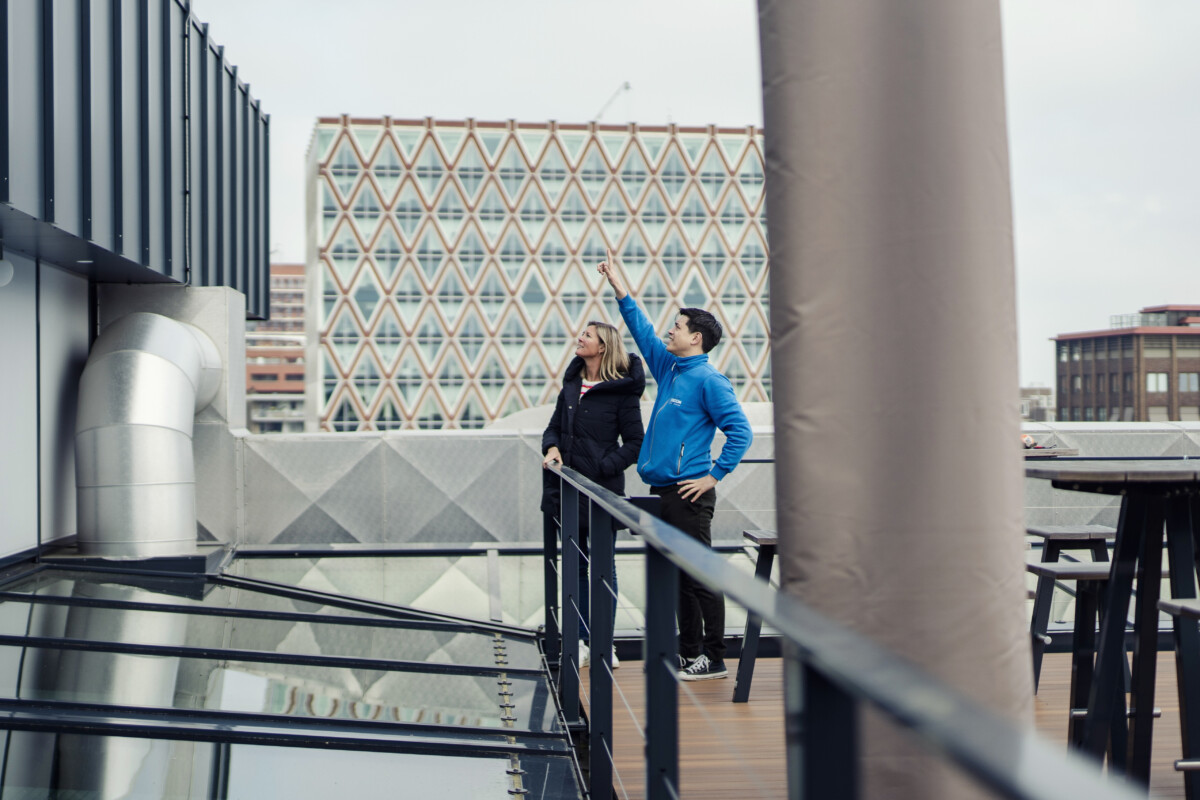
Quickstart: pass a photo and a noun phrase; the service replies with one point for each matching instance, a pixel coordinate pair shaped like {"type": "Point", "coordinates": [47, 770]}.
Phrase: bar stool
{"type": "Point", "coordinates": [1090, 579]}
{"type": "Point", "coordinates": [1056, 539]}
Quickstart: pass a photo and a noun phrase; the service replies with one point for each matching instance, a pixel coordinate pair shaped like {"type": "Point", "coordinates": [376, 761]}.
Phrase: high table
{"type": "Point", "coordinates": [1154, 494]}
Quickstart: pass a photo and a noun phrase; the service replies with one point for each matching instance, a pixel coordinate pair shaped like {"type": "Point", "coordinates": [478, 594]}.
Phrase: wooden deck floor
{"type": "Point", "coordinates": [736, 750]}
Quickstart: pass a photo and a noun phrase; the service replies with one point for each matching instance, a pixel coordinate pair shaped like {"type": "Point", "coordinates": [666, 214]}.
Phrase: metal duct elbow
{"type": "Point", "coordinates": [145, 379]}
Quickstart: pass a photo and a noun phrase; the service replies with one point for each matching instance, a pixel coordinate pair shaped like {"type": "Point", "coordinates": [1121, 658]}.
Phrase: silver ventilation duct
{"type": "Point", "coordinates": [145, 380]}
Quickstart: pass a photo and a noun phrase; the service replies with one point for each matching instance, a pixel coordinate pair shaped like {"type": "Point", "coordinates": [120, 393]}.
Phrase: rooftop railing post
{"type": "Point", "coordinates": [662, 699]}
{"type": "Point", "coordinates": [550, 586]}
{"type": "Point", "coordinates": [829, 730]}
{"type": "Point", "coordinates": [600, 710]}
{"type": "Point", "coordinates": [568, 675]}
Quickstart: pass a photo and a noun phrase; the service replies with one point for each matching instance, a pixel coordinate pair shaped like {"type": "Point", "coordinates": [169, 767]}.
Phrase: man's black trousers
{"type": "Point", "coordinates": [701, 613]}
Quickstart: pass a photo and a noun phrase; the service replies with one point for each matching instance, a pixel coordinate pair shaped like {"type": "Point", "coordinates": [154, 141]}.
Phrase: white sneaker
{"type": "Point", "coordinates": [616, 662]}
{"type": "Point", "coordinates": [585, 655]}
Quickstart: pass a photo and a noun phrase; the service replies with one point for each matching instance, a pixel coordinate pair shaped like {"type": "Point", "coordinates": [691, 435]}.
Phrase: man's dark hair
{"type": "Point", "coordinates": [705, 324]}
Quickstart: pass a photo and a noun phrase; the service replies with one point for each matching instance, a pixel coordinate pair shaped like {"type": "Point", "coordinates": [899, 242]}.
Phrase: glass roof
{"type": "Point", "coordinates": [170, 686]}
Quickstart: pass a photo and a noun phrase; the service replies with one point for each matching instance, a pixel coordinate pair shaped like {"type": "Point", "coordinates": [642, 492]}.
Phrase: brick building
{"type": "Point", "coordinates": [1144, 368]}
{"type": "Point", "coordinates": [275, 357]}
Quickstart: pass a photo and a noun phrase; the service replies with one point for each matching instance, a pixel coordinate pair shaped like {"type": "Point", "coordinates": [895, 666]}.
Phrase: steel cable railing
{"type": "Point", "coordinates": [833, 668]}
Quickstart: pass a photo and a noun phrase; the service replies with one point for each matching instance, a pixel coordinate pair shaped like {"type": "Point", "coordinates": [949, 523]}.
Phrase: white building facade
{"type": "Point", "coordinates": [452, 263]}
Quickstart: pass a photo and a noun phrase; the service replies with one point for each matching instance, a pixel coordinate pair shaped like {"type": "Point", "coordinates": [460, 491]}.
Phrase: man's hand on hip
{"type": "Point", "coordinates": [691, 490]}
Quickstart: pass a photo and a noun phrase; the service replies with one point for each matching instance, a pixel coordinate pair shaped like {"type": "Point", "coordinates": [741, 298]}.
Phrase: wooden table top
{"type": "Point", "coordinates": [1116, 474]}
{"type": "Point", "coordinates": [1049, 452]}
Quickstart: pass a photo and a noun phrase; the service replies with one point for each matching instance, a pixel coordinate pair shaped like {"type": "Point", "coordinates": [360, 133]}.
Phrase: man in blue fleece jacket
{"type": "Point", "coordinates": [693, 400]}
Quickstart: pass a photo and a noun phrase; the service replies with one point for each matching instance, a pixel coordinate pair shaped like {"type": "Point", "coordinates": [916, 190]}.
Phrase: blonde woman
{"type": "Point", "coordinates": [597, 430]}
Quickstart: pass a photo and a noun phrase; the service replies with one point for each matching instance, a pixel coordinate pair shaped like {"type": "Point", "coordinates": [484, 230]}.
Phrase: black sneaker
{"type": "Point", "coordinates": [702, 669]}
{"type": "Point", "coordinates": [685, 662]}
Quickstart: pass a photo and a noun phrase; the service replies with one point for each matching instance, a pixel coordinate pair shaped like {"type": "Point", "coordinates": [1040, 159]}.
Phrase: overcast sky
{"type": "Point", "coordinates": [1104, 122]}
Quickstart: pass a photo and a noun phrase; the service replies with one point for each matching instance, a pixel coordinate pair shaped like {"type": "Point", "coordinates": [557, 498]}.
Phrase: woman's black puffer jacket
{"type": "Point", "coordinates": [585, 430]}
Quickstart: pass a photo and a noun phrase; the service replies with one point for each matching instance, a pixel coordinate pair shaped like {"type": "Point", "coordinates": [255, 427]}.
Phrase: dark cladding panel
{"type": "Point", "coordinates": [67, 140]}
{"type": "Point", "coordinates": [262, 226]}
{"type": "Point", "coordinates": [130, 237]}
{"type": "Point", "coordinates": [175, 28]}
{"type": "Point", "coordinates": [154, 155]}
{"type": "Point", "coordinates": [235, 231]}
{"type": "Point", "coordinates": [221, 170]}
{"type": "Point", "coordinates": [197, 166]}
{"type": "Point", "coordinates": [25, 106]}
{"type": "Point", "coordinates": [125, 129]}
{"type": "Point", "coordinates": [100, 137]}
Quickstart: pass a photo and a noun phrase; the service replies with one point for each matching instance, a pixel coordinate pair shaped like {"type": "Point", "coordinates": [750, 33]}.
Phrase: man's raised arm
{"type": "Point", "coordinates": [640, 328]}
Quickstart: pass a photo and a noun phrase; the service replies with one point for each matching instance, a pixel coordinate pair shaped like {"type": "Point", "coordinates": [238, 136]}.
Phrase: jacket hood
{"type": "Point", "coordinates": [632, 383]}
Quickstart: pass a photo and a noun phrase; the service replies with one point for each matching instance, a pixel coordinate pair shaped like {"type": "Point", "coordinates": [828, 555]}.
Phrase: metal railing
{"type": "Point", "coordinates": [830, 670]}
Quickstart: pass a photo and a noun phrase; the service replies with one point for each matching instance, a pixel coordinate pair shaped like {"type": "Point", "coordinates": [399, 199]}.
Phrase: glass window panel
{"type": "Point", "coordinates": [408, 210]}
{"type": "Point", "coordinates": [388, 168]}
{"type": "Point", "coordinates": [553, 173]}
{"type": "Point", "coordinates": [388, 418]}
{"type": "Point", "coordinates": [366, 295]}
{"type": "Point", "coordinates": [430, 338]}
{"type": "Point", "coordinates": [634, 173]}
{"type": "Point", "coordinates": [366, 380]}
{"type": "Point", "coordinates": [533, 296]}
{"type": "Point", "coordinates": [473, 415]}
{"type": "Point", "coordinates": [345, 337]}
{"type": "Point", "coordinates": [693, 216]}
{"type": "Point", "coordinates": [614, 214]}
{"type": "Point", "coordinates": [512, 171]}
{"type": "Point", "coordinates": [673, 176]}
{"type": "Point", "coordinates": [183, 770]}
{"type": "Point", "coordinates": [472, 337]}
{"type": "Point", "coordinates": [451, 379]}
{"type": "Point", "coordinates": [409, 379]}
{"type": "Point", "coordinates": [750, 178]}
{"type": "Point", "coordinates": [450, 214]}
{"type": "Point", "coordinates": [430, 417]}
{"type": "Point", "coordinates": [429, 170]}
{"type": "Point", "coordinates": [674, 256]}
{"type": "Point", "coordinates": [573, 214]}
{"type": "Point", "coordinates": [713, 175]}
{"type": "Point", "coordinates": [345, 254]}
{"type": "Point", "coordinates": [513, 255]}
{"type": "Point", "coordinates": [492, 379]}
{"type": "Point", "coordinates": [593, 174]}
{"type": "Point", "coordinates": [345, 418]}
{"type": "Point", "coordinates": [430, 254]}
{"type": "Point", "coordinates": [492, 295]}
{"type": "Point", "coordinates": [388, 254]}
{"type": "Point", "coordinates": [533, 214]}
{"type": "Point", "coordinates": [451, 295]}
{"type": "Point", "coordinates": [492, 212]}
{"type": "Point", "coordinates": [471, 169]}
{"type": "Point", "coordinates": [366, 212]}
{"type": "Point", "coordinates": [654, 216]}
{"type": "Point", "coordinates": [471, 254]}
{"type": "Point", "coordinates": [514, 338]}
{"type": "Point", "coordinates": [345, 167]}
{"type": "Point", "coordinates": [553, 255]}
{"type": "Point", "coordinates": [388, 335]}
{"type": "Point", "coordinates": [534, 380]}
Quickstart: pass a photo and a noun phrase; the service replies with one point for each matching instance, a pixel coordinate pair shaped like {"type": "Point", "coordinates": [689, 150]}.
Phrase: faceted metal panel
{"type": "Point", "coordinates": [1045, 505]}
{"type": "Point", "coordinates": [429, 230]}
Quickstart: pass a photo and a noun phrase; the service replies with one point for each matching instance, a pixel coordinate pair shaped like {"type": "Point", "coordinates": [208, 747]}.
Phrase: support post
{"type": "Point", "coordinates": [662, 699]}
{"type": "Point", "coordinates": [568, 674]}
{"type": "Point", "coordinates": [553, 640]}
{"type": "Point", "coordinates": [600, 676]}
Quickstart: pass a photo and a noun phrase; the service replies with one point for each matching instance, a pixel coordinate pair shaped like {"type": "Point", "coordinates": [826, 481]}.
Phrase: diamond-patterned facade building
{"type": "Point", "coordinates": [452, 263]}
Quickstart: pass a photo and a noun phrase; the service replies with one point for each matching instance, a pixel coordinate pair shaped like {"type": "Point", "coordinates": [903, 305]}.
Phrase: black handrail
{"type": "Point", "coordinates": [838, 669]}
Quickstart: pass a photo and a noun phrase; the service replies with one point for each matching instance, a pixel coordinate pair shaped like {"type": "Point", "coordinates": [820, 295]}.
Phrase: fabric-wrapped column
{"type": "Point", "coordinates": [898, 477]}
